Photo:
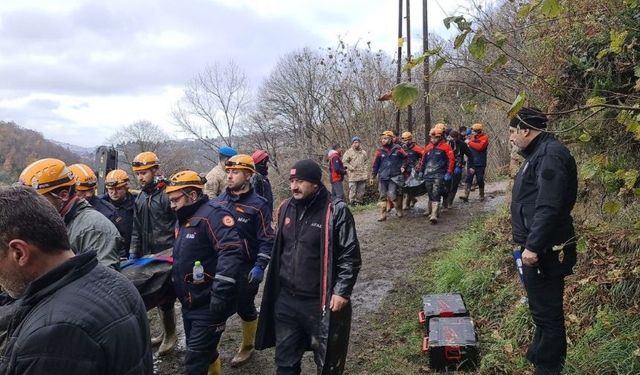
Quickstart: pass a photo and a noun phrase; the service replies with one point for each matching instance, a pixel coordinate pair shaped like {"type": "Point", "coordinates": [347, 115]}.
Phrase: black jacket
{"type": "Point", "coordinates": [123, 219]}
{"type": "Point", "coordinates": [153, 222]}
{"type": "Point", "coordinates": [339, 271]}
{"type": "Point", "coordinates": [543, 195]}
{"type": "Point", "coordinates": [79, 318]}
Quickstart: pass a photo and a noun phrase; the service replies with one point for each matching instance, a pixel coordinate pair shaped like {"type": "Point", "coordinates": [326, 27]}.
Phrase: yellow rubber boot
{"type": "Point", "coordinates": [215, 368]}
{"type": "Point", "coordinates": [246, 347]}
{"type": "Point", "coordinates": [383, 211]}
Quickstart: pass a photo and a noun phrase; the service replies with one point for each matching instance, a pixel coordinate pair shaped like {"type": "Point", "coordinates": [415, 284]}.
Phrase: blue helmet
{"type": "Point", "coordinates": [227, 151]}
{"type": "Point", "coordinates": [356, 138]}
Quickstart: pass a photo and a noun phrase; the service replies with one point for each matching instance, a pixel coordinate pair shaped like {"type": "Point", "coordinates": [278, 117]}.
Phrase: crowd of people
{"type": "Point", "coordinates": [405, 170]}
{"type": "Point", "coordinates": [62, 245]}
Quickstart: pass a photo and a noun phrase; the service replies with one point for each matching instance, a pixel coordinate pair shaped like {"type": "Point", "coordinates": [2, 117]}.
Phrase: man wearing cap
{"type": "Point", "coordinates": [389, 163]}
{"type": "Point", "coordinates": [253, 222]}
{"type": "Point", "coordinates": [356, 161]}
{"type": "Point", "coordinates": [478, 143]}
{"type": "Point", "coordinates": [336, 172]}
{"type": "Point", "coordinates": [414, 154]}
{"type": "Point", "coordinates": [260, 180]}
{"type": "Point", "coordinates": [118, 194]}
{"type": "Point", "coordinates": [217, 177]}
{"type": "Point", "coordinates": [154, 231]}
{"type": "Point", "coordinates": [314, 266]}
{"type": "Point", "coordinates": [87, 228]}
{"type": "Point", "coordinates": [544, 193]}
{"type": "Point", "coordinates": [207, 237]}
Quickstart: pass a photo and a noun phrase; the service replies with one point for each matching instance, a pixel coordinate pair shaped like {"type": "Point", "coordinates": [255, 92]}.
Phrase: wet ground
{"type": "Point", "coordinates": [389, 249]}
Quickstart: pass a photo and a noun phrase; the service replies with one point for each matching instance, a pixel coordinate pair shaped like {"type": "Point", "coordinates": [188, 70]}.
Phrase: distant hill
{"type": "Point", "coordinates": [19, 147]}
{"type": "Point", "coordinates": [85, 152]}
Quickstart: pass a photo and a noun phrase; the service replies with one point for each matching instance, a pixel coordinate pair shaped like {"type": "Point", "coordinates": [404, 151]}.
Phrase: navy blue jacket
{"type": "Point", "coordinates": [123, 219]}
{"type": "Point", "coordinates": [388, 161]}
{"type": "Point", "coordinates": [206, 231]}
{"type": "Point", "coordinates": [253, 222]}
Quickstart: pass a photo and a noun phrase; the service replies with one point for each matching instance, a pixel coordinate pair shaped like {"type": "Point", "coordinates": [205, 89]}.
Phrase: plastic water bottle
{"type": "Point", "coordinates": [517, 258]}
{"type": "Point", "coordinates": [198, 273]}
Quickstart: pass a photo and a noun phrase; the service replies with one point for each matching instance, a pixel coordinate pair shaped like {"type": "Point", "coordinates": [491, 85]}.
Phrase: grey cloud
{"type": "Point", "coordinates": [133, 66]}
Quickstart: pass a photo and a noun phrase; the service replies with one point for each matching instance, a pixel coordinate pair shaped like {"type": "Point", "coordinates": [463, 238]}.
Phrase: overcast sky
{"type": "Point", "coordinates": [77, 70]}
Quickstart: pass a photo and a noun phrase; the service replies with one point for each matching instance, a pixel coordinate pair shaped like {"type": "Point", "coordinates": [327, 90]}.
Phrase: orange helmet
{"type": "Point", "coordinates": [441, 126]}
{"type": "Point", "coordinates": [240, 161]}
{"type": "Point", "coordinates": [116, 178]}
{"type": "Point", "coordinates": [388, 133]}
{"type": "Point", "coordinates": [144, 160]}
{"type": "Point", "coordinates": [183, 180]}
{"type": "Point", "coordinates": [436, 132]}
{"type": "Point", "coordinates": [46, 175]}
{"type": "Point", "coordinates": [476, 127]}
{"type": "Point", "coordinates": [407, 137]}
{"type": "Point", "coordinates": [85, 178]}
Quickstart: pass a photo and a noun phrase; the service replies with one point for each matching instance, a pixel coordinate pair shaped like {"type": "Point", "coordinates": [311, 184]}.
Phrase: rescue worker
{"type": "Point", "coordinates": [389, 163]}
{"type": "Point", "coordinates": [73, 315]}
{"type": "Point", "coordinates": [478, 143]}
{"type": "Point", "coordinates": [414, 154]}
{"type": "Point", "coordinates": [86, 182]}
{"type": "Point", "coordinates": [206, 236]}
{"type": "Point", "coordinates": [87, 228]}
{"type": "Point", "coordinates": [336, 172]}
{"type": "Point", "coordinates": [544, 193]}
{"type": "Point", "coordinates": [355, 161]}
{"type": "Point", "coordinates": [217, 177]}
{"type": "Point", "coordinates": [437, 165]}
{"type": "Point", "coordinates": [314, 267]}
{"type": "Point", "coordinates": [260, 180]}
{"type": "Point", "coordinates": [124, 202]}
{"type": "Point", "coordinates": [154, 231]}
{"type": "Point", "coordinates": [460, 150]}
{"type": "Point", "coordinates": [253, 222]}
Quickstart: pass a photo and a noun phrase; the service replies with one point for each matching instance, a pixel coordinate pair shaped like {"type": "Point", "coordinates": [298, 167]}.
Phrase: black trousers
{"type": "Point", "coordinates": [545, 293]}
{"type": "Point", "coordinates": [435, 186]}
{"type": "Point", "coordinates": [246, 299]}
{"type": "Point", "coordinates": [202, 336]}
{"type": "Point", "coordinates": [455, 183]}
{"type": "Point", "coordinates": [296, 324]}
{"type": "Point", "coordinates": [478, 173]}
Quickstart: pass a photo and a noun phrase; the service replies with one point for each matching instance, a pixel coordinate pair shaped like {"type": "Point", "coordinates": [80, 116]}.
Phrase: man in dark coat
{"type": "Point", "coordinates": [544, 193]}
{"type": "Point", "coordinates": [301, 309]}
{"type": "Point", "coordinates": [73, 315]}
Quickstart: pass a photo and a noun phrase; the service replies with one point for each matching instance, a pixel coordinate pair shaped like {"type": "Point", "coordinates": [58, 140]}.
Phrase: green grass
{"type": "Point", "coordinates": [603, 330]}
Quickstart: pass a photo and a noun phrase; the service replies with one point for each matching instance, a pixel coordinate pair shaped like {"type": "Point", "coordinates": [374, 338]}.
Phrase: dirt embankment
{"type": "Point", "coordinates": [389, 250]}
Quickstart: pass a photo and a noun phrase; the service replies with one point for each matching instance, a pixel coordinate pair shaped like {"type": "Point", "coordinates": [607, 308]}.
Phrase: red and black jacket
{"type": "Point", "coordinates": [437, 159]}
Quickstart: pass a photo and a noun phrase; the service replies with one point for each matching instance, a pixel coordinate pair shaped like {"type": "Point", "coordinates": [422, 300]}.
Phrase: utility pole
{"type": "Point", "coordinates": [409, 110]}
{"type": "Point", "coordinates": [425, 80]}
{"type": "Point", "coordinates": [399, 72]}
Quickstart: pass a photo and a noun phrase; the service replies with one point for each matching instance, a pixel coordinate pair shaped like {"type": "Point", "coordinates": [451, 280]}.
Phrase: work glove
{"type": "Point", "coordinates": [457, 171]}
{"type": "Point", "coordinates": [219, 309]}
{"type": "Point", "coordinates": [256, 274]}
{"type": "Point", "coordinates": [447, 177]}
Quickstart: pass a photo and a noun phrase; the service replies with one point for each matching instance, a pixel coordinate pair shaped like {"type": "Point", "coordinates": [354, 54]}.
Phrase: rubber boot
{"type": "Point", "coordinates": [465, 197]}
{"type": "Point", "coordinates": [435, 208]}
{"type": "Point", "coordinates": [398, 203]}
{"type": "Point", "coordinates": [168, 320]}
{"type": "Point", "coordinates": [215, 368]}
{"type": "Point", "coordinates": [428, 211]}
{"type": "Point", "coordinates": [481, 194]}
{"type": "Point", "coordinates": [383, 211]}
{"type": "Point", "coordinates": [246, 347]}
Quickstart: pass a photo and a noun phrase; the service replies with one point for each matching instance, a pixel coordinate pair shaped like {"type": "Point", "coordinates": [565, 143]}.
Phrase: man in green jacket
{"type": "Point", "coordinates": [87, 228]}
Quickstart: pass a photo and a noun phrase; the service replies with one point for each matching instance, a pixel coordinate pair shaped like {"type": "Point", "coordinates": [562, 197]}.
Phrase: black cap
{"type": "Point", "coordinates": [529, 118]}
{"type": "Point", "coordinates": [307, 170]}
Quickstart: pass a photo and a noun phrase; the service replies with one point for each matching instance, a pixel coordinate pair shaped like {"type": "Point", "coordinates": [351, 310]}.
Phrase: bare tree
{"type": "Point", "coordinates": [214, 103]}
{"type": "Point", "coordinates": [138, 137]}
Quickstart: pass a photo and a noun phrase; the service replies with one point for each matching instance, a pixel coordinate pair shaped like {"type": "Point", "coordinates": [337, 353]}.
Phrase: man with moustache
{"type": "Point", "coordinates": [73, 314]}
{"type": "Point", "coordinates": [253, 222]}
{"type": "Point", "coordinates": [314, 266]}
{"type": "Point", "coordinates": [118, 194]}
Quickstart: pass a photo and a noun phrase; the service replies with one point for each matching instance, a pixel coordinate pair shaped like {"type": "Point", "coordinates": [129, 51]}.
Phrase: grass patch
{"type": "Point", "coordinates": [603, 319]}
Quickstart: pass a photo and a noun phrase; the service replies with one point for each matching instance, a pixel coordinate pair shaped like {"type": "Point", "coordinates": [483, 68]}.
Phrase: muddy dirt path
{"type": "Point", "coordinates": [389, 250]}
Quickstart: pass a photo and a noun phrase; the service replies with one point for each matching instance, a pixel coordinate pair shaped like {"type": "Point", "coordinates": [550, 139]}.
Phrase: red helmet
{"type": "Point", "coordinates": [259, 155]}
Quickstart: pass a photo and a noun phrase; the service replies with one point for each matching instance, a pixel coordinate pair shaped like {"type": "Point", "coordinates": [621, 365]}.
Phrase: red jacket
{"type": "Point", "coordinates": [479, 142]}
{"type": "Point", "coordinates": [439, 156]}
